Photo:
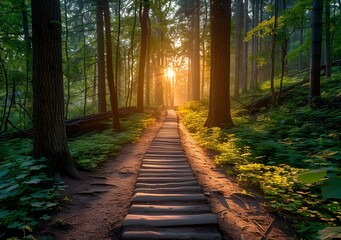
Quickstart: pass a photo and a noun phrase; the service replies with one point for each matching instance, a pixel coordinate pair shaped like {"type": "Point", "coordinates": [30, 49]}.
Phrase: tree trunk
{"type": "Point", "coordinates": [196, 51]}
{"type": "Point", "coordinates": [273, 56]}
{"type": "Point", "coordinates": [328, 43]}
{"type": "Point", "coordinates": [49, 139]}
{"type": "Point", "coordinates": [246, 48]}
{"type": "Point", "coordinates": [315, 61]}
{"type": "Point", "coordinates": [143, 51]}
{"type": "Point", "coordinates": [102, 102]}
{"type": "Point", "coordinates": [219, 106]}
{"type": "Point", "coordinates": [110, 71]}
{"type": "Point", "coordinates": [239, 47]}
{"type": "Point", "coordinates": [117, 64]}
{"type": "Point", "coordinates": [148, 65]}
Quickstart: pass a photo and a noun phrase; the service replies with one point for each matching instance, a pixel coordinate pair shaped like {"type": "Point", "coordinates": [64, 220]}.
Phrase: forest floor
{"type": "Point", "coordinates": [100, 202]}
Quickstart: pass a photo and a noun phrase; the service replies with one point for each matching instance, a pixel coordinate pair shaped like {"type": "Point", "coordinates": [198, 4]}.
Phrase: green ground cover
{"type": "Point", "coordinates": [28, 196]}
{"type": "Point", "coordinates": [272, 151]}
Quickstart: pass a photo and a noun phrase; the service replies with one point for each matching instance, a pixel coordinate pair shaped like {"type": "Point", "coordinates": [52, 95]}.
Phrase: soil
{"type": "Point", "coordinates": [96, 206]}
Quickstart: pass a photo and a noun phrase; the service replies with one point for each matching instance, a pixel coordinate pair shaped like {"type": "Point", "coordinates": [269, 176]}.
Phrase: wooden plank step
{"type": "Point", "coordinates": [168, 197]}
{"type": "Point", "coordinates": [168, 170]}
{"type": "Point", "coordinates": [165, 162]}
{"type": "Point", "coordinates": [163, 235]}
{"type": "Point", "coordinates": [175, 209]}
{"type": "Point", "coordinates": [161, 185]}
{"type": "Point", "coordinates": [170, 220]}
{"type": "Point", "coordinates": [164, 179]}
{"type": "Point", "coordinates": [165, 166]}
{"type": "Point", "coordinates": [146, 174]}
{"type": "Point", "coordinates": [182, 189]}
{"type": "Point", "coordinates": [169, 161]}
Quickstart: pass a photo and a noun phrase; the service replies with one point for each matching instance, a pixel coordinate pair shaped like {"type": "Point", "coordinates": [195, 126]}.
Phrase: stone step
{"type": "Point", "coordinates": [168, 197]}
{"type": "Point", "coordinates": [170, 220]}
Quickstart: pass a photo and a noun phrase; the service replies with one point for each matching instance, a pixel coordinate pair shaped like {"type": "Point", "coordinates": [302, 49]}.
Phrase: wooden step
{"type": "Point", "coordinates": [164, 166]}
{"type": "Point", "coordinates": [161, 185]}
{"type": "Point", "coordinates": [177, 174]}
{"type": "Point", "coordinates": [139, 208]}
{"type": "Point", "coordinates": [169, 170]}
{"type": "Point", "coordinates": [170, 220]}
{"type": "Point", "coordinates": [164, 179]}
{"type": "Point", "coordinates": [168, 197]}
{"type": "Point", "coordinates": [182, 189]}
{"type": "Point", "coordinates": [168, 234]}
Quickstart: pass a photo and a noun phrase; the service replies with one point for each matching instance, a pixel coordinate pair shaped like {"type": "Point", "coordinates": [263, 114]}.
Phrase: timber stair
{"type": "Point", "coordinates": [168, 203]}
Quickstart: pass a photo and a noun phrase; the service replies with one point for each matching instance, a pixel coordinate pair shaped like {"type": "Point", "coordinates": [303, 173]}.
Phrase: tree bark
{"type": "Point", "coordinates": [315, 61]}
{"type": "Point", "coordinates": [49, 139]}
{"type": "Point", "coordinates": [219, 106]}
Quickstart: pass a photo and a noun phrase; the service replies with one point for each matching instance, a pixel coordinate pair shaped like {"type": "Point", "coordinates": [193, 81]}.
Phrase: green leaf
{"type": "Point", "coordinates": [37, 204]}
{"type": "Point", "coordinates": [3, 173]}
{"type": "Point", "coordinates": [37, 167]}
{"type": "Point", "coordinates": [330, 233]}
{"type": "Point", "coordinates": [34, 181]}
{"type": "Point", "coordinates": [331, 188]}
{"type": "Point", "coordinates": [313, 175]}
{"type": "Point", "coordinates": [4, 214]}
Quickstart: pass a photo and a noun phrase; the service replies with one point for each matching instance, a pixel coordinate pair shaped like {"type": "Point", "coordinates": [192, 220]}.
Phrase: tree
{"type": "Point", "coordinates": [102, 105]}
{"type": "Point", "coordinates": [110, 71]}
{"type": "Point", "coordinates": [328, 43]}
{"type": "Point", "coordinates": [273, 55]}
{"type": "Point", "coordinates": [239, 47]}
{"type": "Point", "coordinates": [246, 48]}
{"type": "Point", "coordinates": [219, 106]}
{"type": "Point", "coordinates": [315, 61]}
{"type": "Point", "coordinates": [196, 51]}
{"type": "Point", "coordinates": [49, 132]}
{"type": "Point", "coordinates": [143, 52]}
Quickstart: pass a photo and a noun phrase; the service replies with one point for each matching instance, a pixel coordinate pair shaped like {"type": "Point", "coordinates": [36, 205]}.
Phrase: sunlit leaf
{"type": "Point", "coordinates": [313, 175]}
{"type": "Point", "coordinates": [330, 233]}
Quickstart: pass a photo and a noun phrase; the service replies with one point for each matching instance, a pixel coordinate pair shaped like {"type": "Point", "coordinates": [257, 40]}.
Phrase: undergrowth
{"type": "Point", "coordinates": [271, 150]}
{"type": "Point", "coordinates": [28, 196]}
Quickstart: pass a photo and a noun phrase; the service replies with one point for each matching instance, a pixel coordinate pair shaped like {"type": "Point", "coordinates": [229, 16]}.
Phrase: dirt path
{"type": "Point", "coordinates": [100, 202]}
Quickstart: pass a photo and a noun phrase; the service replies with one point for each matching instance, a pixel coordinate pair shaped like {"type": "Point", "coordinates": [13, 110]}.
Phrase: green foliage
{"type": "Point", "coordinates": [272, 150]}
{"type": "Point", "coordinates": [27, 194]}
{"type": "Point", "coordinates": [90, 150]}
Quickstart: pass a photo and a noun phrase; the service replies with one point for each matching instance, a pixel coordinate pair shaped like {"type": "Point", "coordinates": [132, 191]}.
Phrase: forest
{"type": "Point", "coordinates": [257, 83]}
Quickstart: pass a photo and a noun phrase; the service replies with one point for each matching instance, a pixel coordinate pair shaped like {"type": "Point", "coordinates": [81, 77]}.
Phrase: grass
{"type": "Point", "coordinates": [28, 196]}
{"type": "Point", "coordinates": [271, 151]}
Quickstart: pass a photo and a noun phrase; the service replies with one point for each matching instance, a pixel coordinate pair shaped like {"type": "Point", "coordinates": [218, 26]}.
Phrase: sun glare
{"type": "Point", "coordinates": [170, 73]}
